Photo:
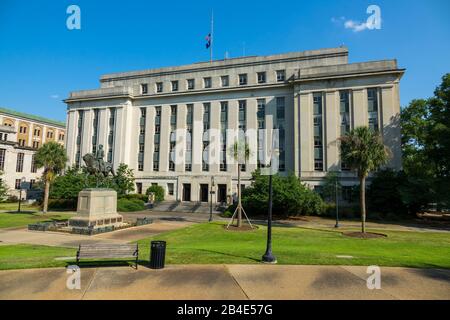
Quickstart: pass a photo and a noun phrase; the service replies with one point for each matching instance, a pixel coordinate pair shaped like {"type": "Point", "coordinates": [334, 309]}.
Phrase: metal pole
{"type": "Point", "coordinates": [268, 257]}
{"type": "Point", "coordinates": [211, 197]}
{"type": "Point", "coordinates": [337, 204]}
{"type": "Point", "coordinates": [20, 199]}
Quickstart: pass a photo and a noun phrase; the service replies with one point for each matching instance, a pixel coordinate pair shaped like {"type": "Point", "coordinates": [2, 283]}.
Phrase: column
{"type": "Point", "coordinates": [165, 137]}
{"type": "Point", "coordinates": [214, 138]}
{"type": "Point", "coordinates": [306, 132]}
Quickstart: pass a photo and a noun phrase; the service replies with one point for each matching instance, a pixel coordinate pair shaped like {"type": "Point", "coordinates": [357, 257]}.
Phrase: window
{"type": "Point", "coordinates": [142, 139]}
{"type": "Point", "coordinates": [242, 116]}
{"type": "Point", "coordinates": [170, 189]}
{"type": "Point", "coordinates": [191, 84]}
{"type": "Point", "coordinates": [23, 129]}
{"type": "Point", "coordinates": [17, 184]}
{"type": "Point", "coordinates": [347, 193]}
{"type": "Point", "coordinates": [32, 183]}
{"type": "Point", "coordinates": [33, 164]}
{"type": "Point", "coordinates": [144, 88]}
{"type": "Point", "coordinates": [207, 82]}
{"type": "Point", "coordinates": [175, 85]}
{"type": "Point", "coordinates": [2, 159]}
{"type": "Point", "coordinates": [225, 80]}
{"type": "Point", "coordinates": [318, 135]}
{"type": "Point", "coordinates": [155, 165]}
{"type": "Point", "coordinates": [37, 132]}
{"type": "Point", "coordinates": [242, 79]}
{"type": "Point", "coordinates": [281, 75]}
{"type": "Point", "coordinates": [159, 87]}
{"type": "Point", "coordinates": [344, 109]}
{"type": "Point", "coordinates": [280, 108]}
{"type": "Point", "coordinates": [139, 187]}
{"type": "Point", "coordinates": [19, 164]}
{"type": "Point", "coordinates": [372, 108]}
{"type": "Point", "coordinates": [261, 77]}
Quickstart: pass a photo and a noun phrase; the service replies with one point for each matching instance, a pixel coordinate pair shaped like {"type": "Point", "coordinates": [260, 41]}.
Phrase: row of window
{"type": "Point", "coordinates": [37, 133]}
{"type": "Point", "coordinates": [206, 126]}
{"type": "Point", "coordinates": [19, 162]}
{"type": "Point", "coordinates": [345, 121]}
{"type": "Point", "coordinates": [261, 78]}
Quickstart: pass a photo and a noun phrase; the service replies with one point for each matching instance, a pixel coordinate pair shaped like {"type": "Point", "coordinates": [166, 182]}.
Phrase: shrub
{"type": "Point", "coordinates": [128, 205]}
{"type": "Point", "coordinates": [137, 196]}
{"type": "Point", "coordinates": [158, 190]}
{"type": "Point", "coordinates": [62, 204]}
{"type": "Point", "coordinates": [290, 197]}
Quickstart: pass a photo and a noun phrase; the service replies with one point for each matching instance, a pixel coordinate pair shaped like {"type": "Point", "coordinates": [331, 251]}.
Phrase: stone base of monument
{"type": "Point", "coordinates": [96, 209]}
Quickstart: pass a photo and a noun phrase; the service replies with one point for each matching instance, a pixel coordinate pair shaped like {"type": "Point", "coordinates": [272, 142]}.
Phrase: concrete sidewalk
{"type": "Point", "coordinates": [227, 282]}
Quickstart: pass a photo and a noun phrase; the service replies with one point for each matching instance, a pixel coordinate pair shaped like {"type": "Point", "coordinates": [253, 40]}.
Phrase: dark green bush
{"type": "Point", "coordinates": [62, 204]}
{"type": "Point", "coordinates": [158, 190]}
{"type": "Point", "coordinates": [132, 196]}
{"type": "Point", "coordinates": [129, 205]}
{"type": "Point", "coordinates": [290, 197]}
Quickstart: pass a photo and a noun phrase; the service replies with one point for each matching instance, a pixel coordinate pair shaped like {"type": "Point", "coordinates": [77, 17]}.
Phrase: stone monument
{"type": "Point", "coordinates": [97, 207]}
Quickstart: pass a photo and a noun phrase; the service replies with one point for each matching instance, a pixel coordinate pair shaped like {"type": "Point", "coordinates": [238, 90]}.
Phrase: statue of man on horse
{"type": "Point", "coordinates": [95, 164]}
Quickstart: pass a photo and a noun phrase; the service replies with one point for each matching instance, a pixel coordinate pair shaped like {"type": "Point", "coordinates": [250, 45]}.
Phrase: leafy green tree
{"type": "Point", "coordinates": [240, 151]}
{"type": "Point", "coordinates": [52, 157]}
{"type": "Point", "coordinates": [3, 189]}
{"type": "Point", "coordinates": [330, 184]}
{"type": "Point", "coordinates": [158, 191]}
{"type": "Point", "coordinates": [290, 196]}
{"type": "Point", "coordinates": [364, 151]}
{"type": "Point", "coordinates": [123, 182]}
{"type": "Point", "coordinates": [426, 144]}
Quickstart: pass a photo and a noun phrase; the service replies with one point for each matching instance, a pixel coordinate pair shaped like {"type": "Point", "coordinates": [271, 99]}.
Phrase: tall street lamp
{"type": "Point", "coordinates": [22, 182]}
{"type": "Point", "coordinates": [268, 257]}
{"type": "Point", "coordinates": [337, 204]}
{"type": "Point", "coordinates": [211, 196]}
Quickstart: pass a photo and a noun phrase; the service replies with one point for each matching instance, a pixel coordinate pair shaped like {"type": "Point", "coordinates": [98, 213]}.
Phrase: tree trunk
{"type": "Point", "coordinates": [362, 199]}
{"type": "Point", "coordinates": [46, 193]}
{"type": "Point", "coordinates": [239, 217]}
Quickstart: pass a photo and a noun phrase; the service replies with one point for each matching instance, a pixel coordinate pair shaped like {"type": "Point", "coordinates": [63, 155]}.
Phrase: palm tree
{"type": "Point", "coordinates": [52, 157]}
{"type": "Point", "coordinates": [240, 151]}
{"type": "Point", "coordinates": [363, 150]}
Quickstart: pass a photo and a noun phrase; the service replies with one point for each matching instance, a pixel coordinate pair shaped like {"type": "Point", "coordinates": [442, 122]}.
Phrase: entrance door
{"type": "Point", "coordinates": [186, 192]}
{"type": "Point", "coordinates": [222, 193]}
{"type": "Point", "coordinates": [203, 192]}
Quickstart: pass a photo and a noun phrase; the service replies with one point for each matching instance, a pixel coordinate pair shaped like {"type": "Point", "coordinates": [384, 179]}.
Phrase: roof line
{"type": "Point", "coordinates": [33, 117]}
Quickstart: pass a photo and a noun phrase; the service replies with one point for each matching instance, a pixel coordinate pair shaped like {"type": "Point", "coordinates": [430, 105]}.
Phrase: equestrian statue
{"type": "Point", "coordinates": [95, 165]}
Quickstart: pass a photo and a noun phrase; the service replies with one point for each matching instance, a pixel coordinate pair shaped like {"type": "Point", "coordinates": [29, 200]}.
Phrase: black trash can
{"type": "Point", "coordinates": [157, 254]}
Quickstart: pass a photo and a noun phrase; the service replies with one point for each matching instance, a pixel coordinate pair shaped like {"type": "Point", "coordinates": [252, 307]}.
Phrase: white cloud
{"type": "Point", "coordinates": [356, 26]}
{"type": "Point", "coordinates": [54, 96]}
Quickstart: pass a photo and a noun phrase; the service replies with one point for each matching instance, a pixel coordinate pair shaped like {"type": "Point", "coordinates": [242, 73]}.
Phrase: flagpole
{"type": "Point", "coordinates": [212, 37]}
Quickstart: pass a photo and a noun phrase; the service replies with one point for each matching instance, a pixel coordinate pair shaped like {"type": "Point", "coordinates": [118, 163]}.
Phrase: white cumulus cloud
{"type": "Point", "coordinates": [356, 26]}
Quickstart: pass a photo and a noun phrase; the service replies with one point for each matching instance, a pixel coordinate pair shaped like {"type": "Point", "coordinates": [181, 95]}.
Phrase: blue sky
{"type": "Point", "coordinates": [41, 61]}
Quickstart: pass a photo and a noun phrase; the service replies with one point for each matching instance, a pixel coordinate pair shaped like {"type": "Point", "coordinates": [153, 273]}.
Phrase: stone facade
{"type": "Point", "coordinates": [313, 96]}
{"type": "Point", "coordinates": [20, 136]}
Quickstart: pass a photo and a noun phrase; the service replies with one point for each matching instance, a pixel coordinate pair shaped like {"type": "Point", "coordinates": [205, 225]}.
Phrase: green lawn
{"type": "Point", "coordinates": [211, 243]}
{"type": "Point", "coordinates": [13, 206]}
{"type": "Point", "coordinates": [14, 219]}
{"type": "Point", "coordinates": [23, 256]}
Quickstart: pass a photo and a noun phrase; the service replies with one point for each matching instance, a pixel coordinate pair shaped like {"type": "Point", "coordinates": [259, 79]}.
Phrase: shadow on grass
{"type": "Point", "coordinates": [229, 254]}
{"type": "Point", "coordinates": [21, 212]}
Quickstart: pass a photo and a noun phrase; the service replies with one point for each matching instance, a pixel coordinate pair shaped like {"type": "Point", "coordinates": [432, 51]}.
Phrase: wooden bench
{"type": "Point", "coordinates": [108, 251]}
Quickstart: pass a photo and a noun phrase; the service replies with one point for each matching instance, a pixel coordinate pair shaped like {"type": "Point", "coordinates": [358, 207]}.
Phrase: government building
{"type": "Point", "coordinates": [161, 122]}
{"type": "Point", "coordinates": [21, 134]}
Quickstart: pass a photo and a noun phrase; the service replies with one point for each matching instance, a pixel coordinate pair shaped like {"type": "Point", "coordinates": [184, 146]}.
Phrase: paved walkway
{"type": "Point", "coordinates": [59, 239]}
{"type": "Point", "coordinates": [227, 282]}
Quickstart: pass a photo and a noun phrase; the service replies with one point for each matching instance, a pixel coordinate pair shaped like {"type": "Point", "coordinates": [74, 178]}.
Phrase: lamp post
{"type": "Point", "coordinates": [268, 257]}
{"type": "Point", "coordinates": [337, 204]}
{"type": "Point", "coordinates": [22, 181]}
{"type": "Point", "coordinates": [211, 195]}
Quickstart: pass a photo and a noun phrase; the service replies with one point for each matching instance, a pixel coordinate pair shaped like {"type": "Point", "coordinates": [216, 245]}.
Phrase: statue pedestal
{"type": "Point", "coordinates": [97, 208]}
